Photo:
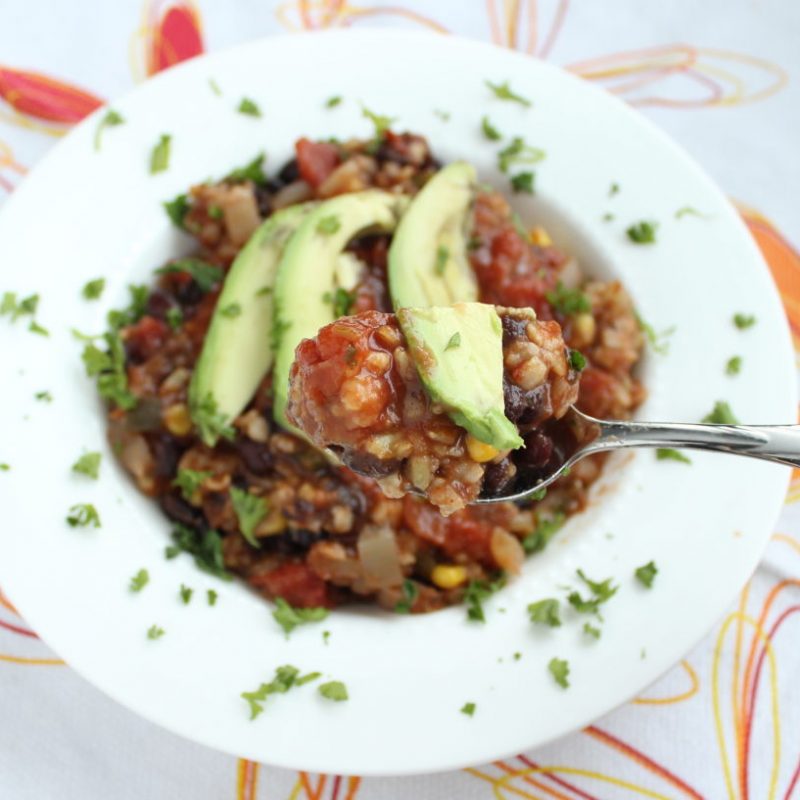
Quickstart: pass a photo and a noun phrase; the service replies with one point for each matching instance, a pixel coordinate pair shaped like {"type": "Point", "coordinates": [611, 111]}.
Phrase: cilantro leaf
{"type": "Point", "coordinates": [559, 669]}
{"type": "Point", "coordinates": [88, 464]}
{"type": "Point", "coordinates": [93, 289]}
{"type": "Point", "coordinates": [489, 131]}
{"type": "Point", "coordinates": [177, 209]}
{"type": "Point", "coordinates": [381, 123]}
{"type": "Point", "coordinates": [35, 327]}
{"type": "Point", "coordinates": [159, 158]}
{"type": "Point", "coordinates": [45, 397]}
{"type": "Point", "coordinates": [502, 91]}
{"type": "Point", "coordinates": [210, 421]}
{"type": "Point", "coordinates": [250, 510]}
{"type": "Point", "coordinates": [686, 211]}
{"type": "Point", "coordinates": [545, 530]}
{"type": "Point", "coordinates": [206, 547]}
{"type": "Point", "coordinates": [668, 454]}
{"type": "Point", "coordinates": [189, 481]}
{"type": "Point", "coordinates": [410, 594]}
{"type": "Point", "coordinates": [83, 515]}
{"type": "Point", "coordinates": [602, 591]}
{"type": "Point", "coordinates": [26, 306]}
{"type": "Point", "coordinates": [139, 580]}
{"type": "Point", "coordinates": [740, 320]}
{"type": "Point", "coordinates": [249, 107]}
{"type": "Point", "coordinates": [568, 301]}
{"type": "Point", "coordinates": [334, 690]}
{"type": "Point", "coordinates": [205, 275]}
{"type": "Point", "coordinates": [341, 300]}
{"type": "Point", "coordinates": [721, 414]}
{"type": "Point", "coordinates": [214, 86]}
{"type": "Point", "coordinates": [643, 232]}
{"type": "Point", "coordinates": [591, 630]}
{"type": "Point", "coordinates": [109, 120]}
{"type": "Point", "coordinates": [577, 360]}
{"type": "Point", "coordinates": [174, 317]}
{"type": "Point", "coordinates": [523, 182]}
{"type": "Point", "coordinates": [252, 171]}
{"type": "Point", "coordinates": [212, 597]}
{"type": "Point", "coordinates": [154, 632]}
{"type": "Point", "coordinates": [734, 365]}
{"type": "Point", "coordinates": [613, 189]}
{"type": "Point", "coordinates": [285, 678]}
{"type": "Point", "coordinates": [334, 101]}
{"type": "Point", "coordinates": [545, 612]}
{"type": "Point", "coordinates": [108, 367]}
{"type": "Point", "coordinates": [468, 709]}
{"type": "Point", "coordinates": [517, 152]}
{"type": "Point", "coordinates": [186, 594]}
{"type": "Point", "coordinates": [289, 617]}
{"type": "Point", "coordinates": [658, 341]}
{"type": "Point", "coordinates": [477, 592]}
{"type": "Point", "coordinates": [646, 574]}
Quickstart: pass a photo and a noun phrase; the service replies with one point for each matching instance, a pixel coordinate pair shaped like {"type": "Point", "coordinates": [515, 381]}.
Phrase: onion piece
{"type": "Point", "coordinates": [297, 192]}
{"type": "Point", "coordinates": [571, 275]}
{"type": "Point", "coordinates": [377, 550]}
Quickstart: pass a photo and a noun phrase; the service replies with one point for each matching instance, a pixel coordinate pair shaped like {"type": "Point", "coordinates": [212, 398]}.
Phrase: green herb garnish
{"type": "Point", "coordinates": [502, 91]}
{"type": "Point", "coordinates": [252, 171]}
{"type": "Point", "coordinates": [477, 592]}
{"type": "Point", "coordinates": [602, 591]}
{"type": "Point", "coordinates": [517, 152]}
{"type": "Point", "coordinates": [468, 709]}
{"type": "Point", "coordinates": [83, 515]}
{"type": "Point", "coordinates": [545, 530]}
{"type": "Point", "coordinates": [568, 301]}
{"type": "Point", "coordinates": [210, 421]}
{"type": "Point", "coordinates": [523, 182]}
{"type": "Point", "coordinates": [174, 317]}
{"type": "Point", "coordinates": [154, 632]}
{"type": "Point", "coordinates": [177, 209]}
{"type": "Point", "coordinates": [285, 678]}
{"type": "Point", "coordinates": [45, 397]}
{"type": "Point", "coordinates": [109, 120]}
{"type": "Point", "coordinates": [139, 580]}
{"type": "Point", "coordinates": [108, 368]}
{"type": "Point", "coordinates": [250, 510]}
{"type": "Point", "coordinates": [329, 224]}
{"type": "Point", "coordinates": [658, 341]}
{"type": "Point", "coordinates": [334, 101]}
{"type": "Point", "coordinates": [35, 327]}
{"type": "Point", "coordinates": [289, 617]}
{"type": "Point", "coordinates": [454, 341]}
{"type": "Point", "coordinates": [382, 124]}
{"type": "Point", "coordinates": [489, 131]}
{"type": "Point", "coordinates": [186, 594]}
{"type": "Point", "coordinates": [577, 360]}
{"type": "Point", "coordinates": [88, 464]}
{"type": "Point", "coordinates": [734, 365]}
{"type": "Point", "coordinates": [740, 320]}
{"type": "Point", "coordinates": [334, 690]}
{"type": "Point", "coordinates": [545, 612]}
{"type": "Point", "coordinates": [668, 454]}
{"type": "Point", "coordinates": [341, 300]}
{"type": "Point", "coordinates": [93, 289]}
{"type": "Point", "coordinates": [442, 254]}
{"type": "Point", "coordinates": [643, 232]}
{"type": "Point", "coordinates": [159, 158]}
{"type": "Point", "coordinates": [205, 547]}
{"type": "Point", "coordinates": [410, 594]}
{"type": "Point", "coordinates": [26, 306]}
{"type": "Point", "coordinates": [646, 574]}
{"type": "Point", "coordinates": [721, 414]}
{"type": "Point", "coordinates": [205, 275]}
{"type": "Point", "coordinates": [231, 311]}
{"type": "Point", "coordinates": [212, 597]}
{"type": "Point", "coordinates": [591, 630]}
{"type": "Point", "coordinates": [214, 87]}
{"type": "Point", "coordinates": [249, 107]}
{"type": "Point", "coordinates": [687, 211]}
{"type": "Point", "coordinates": [559, 669]}
{"type": "Point", "coordinates": [189, 481]}
{"type": "Point", "coordinates": [613, 189]}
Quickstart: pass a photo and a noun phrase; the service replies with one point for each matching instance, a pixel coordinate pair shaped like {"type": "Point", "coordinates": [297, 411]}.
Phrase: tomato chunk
{"type": "Point", "coordinates": [296, 583]}
{"type": "Point", "coordinates": [316, 160]}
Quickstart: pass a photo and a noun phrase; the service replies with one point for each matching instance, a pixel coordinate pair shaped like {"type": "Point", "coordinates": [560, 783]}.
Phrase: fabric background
{"type": "Point", "coordinates": [721, 77]}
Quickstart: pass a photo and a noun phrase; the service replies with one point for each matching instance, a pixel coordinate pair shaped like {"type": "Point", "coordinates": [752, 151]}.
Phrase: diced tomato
{"type": "Point", "coordinates": [296, 583]}
{"type": "Point", "coordinates": [144, 339]}
{"type": "Point", "coordinates": [316, 160]}
{"type": "Point", "coordinates": [597, 392]}
{"type": "Point", "coordinates": [197, 326]}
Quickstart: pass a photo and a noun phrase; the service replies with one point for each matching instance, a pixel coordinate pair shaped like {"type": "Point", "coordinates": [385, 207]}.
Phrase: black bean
{"type": "Point", "coordinates": [514, 329]}
{"type": "Point", "coordinates": [188, 294]}
{"type": "Point", "coordinates": [537, 452]}
{"type": "Point", "coordinates": [166, 452]}
{"type": "Point", "coordinates": [255, 456]}
{"type": "Point", "coordinates": [499, 478]}
{"type": "Point", "coordinates": [178, 510]}
{"type": "Point", "coordinates": [158, 304]}
{"type": "Point", "coordinates": [289, 172]}
{"type": "Point", "coordinates": [263, 200]}
{"type": "Point", "coordinates": [369, 465]}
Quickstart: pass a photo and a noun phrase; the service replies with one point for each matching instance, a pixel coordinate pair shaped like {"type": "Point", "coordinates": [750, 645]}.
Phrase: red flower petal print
{"type": "Point", "coordinates": [175, 35]}
{"type": "Point", "coordinates": [45, 98]}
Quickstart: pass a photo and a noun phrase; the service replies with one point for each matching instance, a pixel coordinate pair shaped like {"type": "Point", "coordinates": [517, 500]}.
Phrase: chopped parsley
{"type": "Point", "coordinates": [734, 365]}
{"type": "Point", "coordinates": [646, 574]}
{"type": "Point", "coordinates": [688, 211]}
{"type": "Point", "coordinates": [442, 254]}
{"type": "Point", "coordinates": [477, 592]}
{"type": "Point", "coordinates": [108, 368]}
{"type": "Point", "coordinates": [658, 341]}
{"type": "Point", "coordinates": [139, 580]}
{"type": "Point", "coordinates": [602, 591]}
{"type": "Point", "coordinates": [177, 209]}
{"type": "Point", "coordinates": [88, 464]}
{"type": "Point", "coordinates": [341, 300]}
{"type": "Point", "coordinates": [285, 678]}
{"type": "Point", "coordinates": [35, 327]}
{"type": "Point", "coordinates": [453, 342]}
{"type": "Point", "coordinates": [232, 310]}
{"type": "Point", "coordinates": [545, 612]}
{"type": "Point", "coordinates": [252, 171]}
{"type": "Point", "coordinates": [189, 481]}
{"type": "Point", "coordinates": [517, 152]}
{"type": "Point", "coordinates": [206, 547]}
{"type": "Point", "coordinates": [721, 414]}
{"type": "Point", "coordinates": [212, 597]}
{"type": "Point", "coordinates": [26, 306]}
{"type": "Point", "coordinates": [174, 317]}
{"type": "Point", "coordinates": [329, 224]}
{"type": "Point", "coordinates": [577, 360]}
{"type": "Point", "coordinates": [559, 669]}
{"type": "Point", "coordinates": [489, 131]}
{"type": "Point", "coordinates": [83, 515]}
{"type": "Point", "coordinates": [334, 101]}
{"type": "Point", "coordinates": [523, 182]}
{"type": "Point", "coordinates": [334, 690]}
{"type": "Point", "coordinates": [109, 120]}
{"type": "Point", "coordinates": [568, 301]}
{"type": "Point", "coordinates": [159, 158]}
{"type": "Point", "coordinates": [381, 123]}
{"type": "Point", "coordinates": [210, 421]}
{"type": "Point", "coordinates": [591, 630]}
{"type": "Point", "coordinates": [468, 709]}
{"type": "Point", "coordinates": [545, 530]}
{"type": "Point", "coordinates": [325, 636]}
{"type": "Point", "coordinates": [119, 318]}
{"type": "Point", "coordinates": [45, 397]}
{"type": "Point", "coordinates": [186, 594]}
{"type": "Point", "coordinates": [205, 275]}
{"type": "Point", "coordinates": [668, 454]}
{"type": "Point", "coordinates": [154, 632]}
{"type": "Point", "coordinates": [289, 617]}
{"type": "Point", "coordinates": [613, 189]}
{"type": "Point", "coordinates": [93, 289]}
{"type": "Point", "coordinates": [249, 107]}
{"type": "Point", "coordinates": [502, 91]}
{"type": "Point", "coordinates": [740, 320]}
{"type": "Point", "coordinates": [410, 594]}
{"type": "Point", "coordinates": [250, 510]}
{"type": "Point", "coordinates": [643, 232]}
{"type": "Point", "coordinates": [214, 87]}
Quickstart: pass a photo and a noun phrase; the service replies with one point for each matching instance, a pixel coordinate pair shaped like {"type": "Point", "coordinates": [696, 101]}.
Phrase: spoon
{"type": "Point", "coordinates": [777, 443]}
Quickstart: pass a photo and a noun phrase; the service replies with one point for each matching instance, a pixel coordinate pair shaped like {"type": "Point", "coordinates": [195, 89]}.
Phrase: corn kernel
{"type": "Point", "coordinates": [177, 420]}
{"type": "Point", "coordinates": [480, 451]}
{"type": "Point", "coordinates": [540, 236]}
{"type": "Point", "coordinates": [585, 328]}
{"type": "Point", "coordinates": [448, 576]}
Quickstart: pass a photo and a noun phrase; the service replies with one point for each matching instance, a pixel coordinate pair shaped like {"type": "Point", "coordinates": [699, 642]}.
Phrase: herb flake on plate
{"type": "Point", "coordinates": [503, 91]}
{"type": "Point", "coordinates": [643, 232]}
{"type": "Point", "coordinates": [559, 669]}
{"type": "Point", "coordinates": [250, 510]}
{"type": "Point", "coordinates": [670, 454]}
{"type": "Point", "coordinates": [249, 107]}
{"type": "Point", "coordinates": [545, 612]}
{"type": "Point", "coordinates": [289, 617]}
{"type": "Point", "coordinates": [83, 515]}
{"type": "Point", "coordinates": [468, 709]}
{"type": "Point", "coordinates": [285, 678]}
{"type": "Point", "coordinates": [721, 414]}
{"type": "Point", "coordinates": [159, 158]}
{"type": "Point", "coordinates": [94, 289]}
{"type": "Point", "coordinates": [646, 574]}
{"type": "Point", "coordinates": [88, 464]}
{"type": "Point", "coordinates": [139, 580]}
{"type": "Point", "coordinates": [334, 690]}
{"type": "Point", "coordinates": [109, 120]}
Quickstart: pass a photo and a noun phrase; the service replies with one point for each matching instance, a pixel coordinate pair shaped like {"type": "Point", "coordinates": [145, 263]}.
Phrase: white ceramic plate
{"type": "Point", "coordinates": [84, 214]}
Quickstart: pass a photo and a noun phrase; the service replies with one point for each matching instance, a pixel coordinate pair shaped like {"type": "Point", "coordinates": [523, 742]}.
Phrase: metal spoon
{"type": "Point", "coordinates": [777, 443]}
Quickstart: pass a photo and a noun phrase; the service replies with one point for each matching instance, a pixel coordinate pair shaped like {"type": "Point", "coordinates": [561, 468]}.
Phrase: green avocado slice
{"type": "Point", "coordinates": [458, 353]}
{"type": "Point", "coordinates": [428, 259]}
{"type": "Point", "coordinates": [314, 266]}
{"type": "Point", "coordinates": [237, 351]}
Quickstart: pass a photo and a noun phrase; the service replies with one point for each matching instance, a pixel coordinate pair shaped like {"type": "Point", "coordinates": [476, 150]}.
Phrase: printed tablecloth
{"type": "Point", "coordinates": [721, 77]}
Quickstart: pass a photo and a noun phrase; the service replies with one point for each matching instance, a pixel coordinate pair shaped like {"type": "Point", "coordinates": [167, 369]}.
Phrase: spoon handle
{"type": "Point", "coordinates": [777, 443]}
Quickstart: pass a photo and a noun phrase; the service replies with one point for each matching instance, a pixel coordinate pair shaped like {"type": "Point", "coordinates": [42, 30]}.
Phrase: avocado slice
{"type": "Point", "coordinates": [237, 351]}
{"type": "Point", "coordinates": [314, 266]}
{"type": "Point", "coordinates": [458, 353]}
{"type": "Point", "coordinates": [428, 261]}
